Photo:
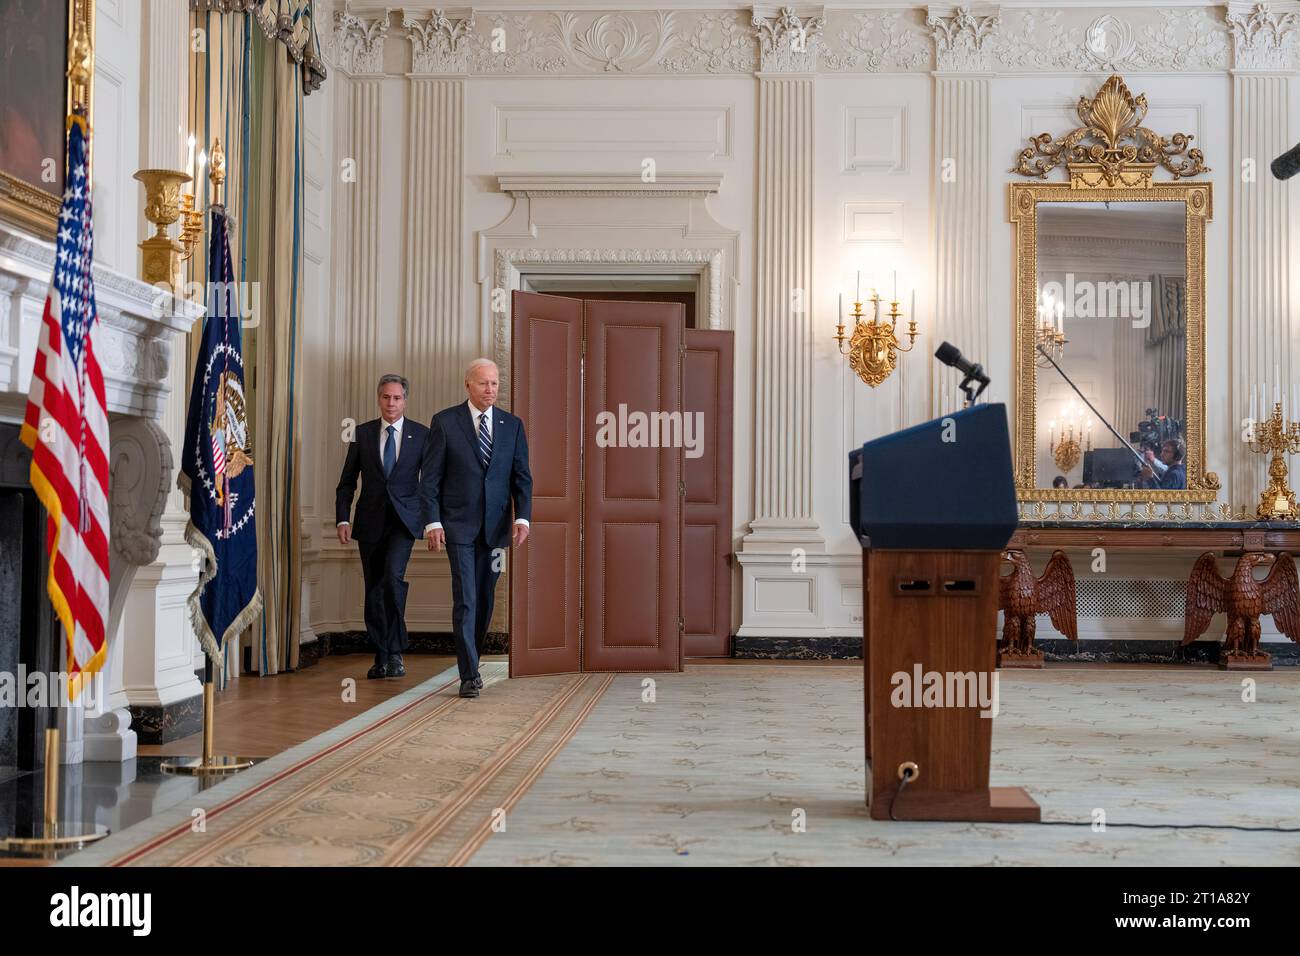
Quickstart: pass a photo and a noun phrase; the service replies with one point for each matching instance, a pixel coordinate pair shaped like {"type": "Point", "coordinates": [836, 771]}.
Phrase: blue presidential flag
{"type": "Point", "coordinates": [217, 465]}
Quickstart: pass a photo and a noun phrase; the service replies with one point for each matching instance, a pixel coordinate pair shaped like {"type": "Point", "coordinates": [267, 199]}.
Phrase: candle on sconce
{"type": "Point", "coordinates": [912, 314]}
{"type": "Point", "coordinates": [895, 298]}
{"type": "Point", "coordinates": [189, 162]}
{"type": "Point", "coordinates": [840, 319]}
{"type": "Point", "coordinates": [859, 295]}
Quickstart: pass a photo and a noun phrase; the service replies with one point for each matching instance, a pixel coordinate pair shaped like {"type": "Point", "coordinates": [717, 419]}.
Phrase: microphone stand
{"type": "Point", "coordinates": [1122, 440]}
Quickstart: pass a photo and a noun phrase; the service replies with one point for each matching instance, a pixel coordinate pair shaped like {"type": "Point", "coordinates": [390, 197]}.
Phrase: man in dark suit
{"type": "Point", "coordinates": [391, 455]}
{"type": "Point", "coordinates": [478, 467]}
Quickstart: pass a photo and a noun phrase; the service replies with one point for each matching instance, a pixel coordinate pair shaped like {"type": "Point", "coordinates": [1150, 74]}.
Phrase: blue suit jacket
{"type": "Point", "coordinates": [460, 493]}
{"type": "Point", "coordinates": [402, 487]}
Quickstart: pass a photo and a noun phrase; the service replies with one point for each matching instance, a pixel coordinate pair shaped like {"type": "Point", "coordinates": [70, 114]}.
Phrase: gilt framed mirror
{"type": "Point", "coordinates": [1110, 312]}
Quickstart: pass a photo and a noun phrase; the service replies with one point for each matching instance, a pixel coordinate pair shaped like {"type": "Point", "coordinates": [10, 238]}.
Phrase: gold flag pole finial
{"type": "Point", "coordinates": [80, 62]}
{"type": "Point", "coordinates": [217, 169]}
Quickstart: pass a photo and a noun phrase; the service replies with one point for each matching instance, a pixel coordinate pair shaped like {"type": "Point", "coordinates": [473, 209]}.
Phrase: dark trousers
{"type": "Point", "coordinates": [473, 589]}
{"type": "Point", "coordinates": [383, 565]}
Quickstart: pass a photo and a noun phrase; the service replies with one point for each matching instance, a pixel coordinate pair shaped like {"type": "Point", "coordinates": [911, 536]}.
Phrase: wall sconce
{"type": "Point", "coordinates": [873, 345]}
{"type": "Point", "coordinates": [1074, 439]}
{"type": "Point", "coordinates": [163, 205]}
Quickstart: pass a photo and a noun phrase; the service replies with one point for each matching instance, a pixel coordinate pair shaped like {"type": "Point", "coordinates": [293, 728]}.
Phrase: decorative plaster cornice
{"type": "Point", "coordinates": [609, 186]}
{"type": "Point", "coordinates": [438, 43]}
{"type": "Point", "coordinates": [963, 41]}
{"type": "Point", "coordinates": [787, 42]}
{"type": "Point", "coordinates": [1188, 38]}
{"type": "Point", "coordinates": [1262, 39]}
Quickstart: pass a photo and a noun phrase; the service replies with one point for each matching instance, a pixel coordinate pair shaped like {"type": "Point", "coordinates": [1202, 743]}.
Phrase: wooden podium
{"type": "Point", "coordinates": [933, 613]}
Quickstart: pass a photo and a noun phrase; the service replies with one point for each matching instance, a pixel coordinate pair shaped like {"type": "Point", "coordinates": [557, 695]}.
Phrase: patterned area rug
{"type": "Point", "coordinates": [763, 765]}
{"type": "Point", "coordinates": [417, 781]}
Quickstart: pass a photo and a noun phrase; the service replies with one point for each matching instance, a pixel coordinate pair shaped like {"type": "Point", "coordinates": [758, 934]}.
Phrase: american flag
{"type": "Point", "coordinates": [66, 427]}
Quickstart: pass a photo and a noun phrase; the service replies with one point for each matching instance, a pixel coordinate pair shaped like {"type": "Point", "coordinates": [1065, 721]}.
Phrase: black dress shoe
{"type": "Point", "coordinates": [396, 667]}
{"type": "Point", "coordinates": [377, 670]}
{"type": "Point", "coordinates": [467, 689]}
{"type": "Point", "coordinates": [478, 683]}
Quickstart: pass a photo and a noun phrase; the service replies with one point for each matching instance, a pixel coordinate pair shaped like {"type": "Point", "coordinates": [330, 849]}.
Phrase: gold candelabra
{"type": "Point", "coordinates": [162, 255]}
{"type": "Point", "coordinates": [1279, 438]}
{"type": "Point", "coordinates": [164, 204]}
{"type": "Point", "coordinates": [873, 346]}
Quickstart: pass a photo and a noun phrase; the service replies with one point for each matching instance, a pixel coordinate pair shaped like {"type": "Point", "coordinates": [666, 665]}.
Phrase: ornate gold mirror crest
{"type": "Point", "coordinates": [1125, 153]}
{"type": "Point", "coordinates": [1111, 228]}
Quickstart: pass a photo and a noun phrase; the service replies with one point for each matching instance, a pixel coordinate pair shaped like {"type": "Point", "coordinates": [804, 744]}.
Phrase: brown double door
{"type": "Point", "coordinates": [599, 585]}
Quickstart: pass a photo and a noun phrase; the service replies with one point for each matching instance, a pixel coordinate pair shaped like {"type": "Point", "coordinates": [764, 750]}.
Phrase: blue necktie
{"type": "Point", "coordinates": [390, 451]}
{"type": "Point", "coordinates": [484, 440]}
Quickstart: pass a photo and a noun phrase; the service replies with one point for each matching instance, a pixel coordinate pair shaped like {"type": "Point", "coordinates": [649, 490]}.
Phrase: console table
{"type": "Point", "coordinates": [1226, 536]}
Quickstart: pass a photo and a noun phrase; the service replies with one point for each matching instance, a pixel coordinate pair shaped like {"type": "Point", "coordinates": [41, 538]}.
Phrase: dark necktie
{"type": "Point", "coordinates": [390, 451]}
{"type": "Point", "coordinates": [484, 440]}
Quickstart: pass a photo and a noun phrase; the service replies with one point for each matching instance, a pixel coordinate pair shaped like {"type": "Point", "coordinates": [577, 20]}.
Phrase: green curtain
{"type": "Point", "coordinates": [261, 58]}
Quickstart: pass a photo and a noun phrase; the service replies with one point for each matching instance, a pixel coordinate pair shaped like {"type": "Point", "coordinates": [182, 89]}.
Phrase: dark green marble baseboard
{"type": "Point", "coordinates": [1284, 654]}
{"type": "Point", "coordinates": [163, 724]}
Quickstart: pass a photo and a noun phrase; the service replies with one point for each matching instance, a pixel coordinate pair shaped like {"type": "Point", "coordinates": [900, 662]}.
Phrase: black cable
{"type": "Point", "coordinates": [907, 775]}
{"type": "Point", "coordinates": [1172, 826]}
{"type": "Point", "coordinates": [902, 782]}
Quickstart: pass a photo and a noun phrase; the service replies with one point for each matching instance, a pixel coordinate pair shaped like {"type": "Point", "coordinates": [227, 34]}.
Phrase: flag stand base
{"type": "Point", "coordinates": [56, 835]}
{"type": "Point", "coordinates": [207, 765]}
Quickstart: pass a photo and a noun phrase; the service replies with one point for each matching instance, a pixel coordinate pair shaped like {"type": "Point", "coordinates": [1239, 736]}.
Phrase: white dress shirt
{"type": "Point", "coordinates": [475, 414]}
{"type": "Point", "coordinates": [397, 437]}
{"type": "Point", "coordinates": [383, 437]}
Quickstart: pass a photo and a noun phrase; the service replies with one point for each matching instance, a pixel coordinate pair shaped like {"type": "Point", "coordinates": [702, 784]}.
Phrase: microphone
{"type": "Point", "coordinates": [950, 355]}
{"type": "Point", "coordinates": [1288, 164]}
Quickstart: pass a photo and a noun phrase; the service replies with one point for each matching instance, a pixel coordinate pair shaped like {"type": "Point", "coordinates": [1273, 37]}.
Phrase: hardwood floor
{"type": "Point", "coordinates": [262, 716]}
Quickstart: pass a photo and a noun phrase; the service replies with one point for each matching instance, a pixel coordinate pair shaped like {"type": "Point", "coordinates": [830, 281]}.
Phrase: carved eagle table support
{"type": "Point", "coordinates": [1243, 599]}
{"type": "Point", "coordinates": [1021, 598]}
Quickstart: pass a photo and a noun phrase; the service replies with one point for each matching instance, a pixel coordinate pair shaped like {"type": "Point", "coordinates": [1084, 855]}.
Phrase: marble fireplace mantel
{"type": "Point", "coordinates": [139, 323]}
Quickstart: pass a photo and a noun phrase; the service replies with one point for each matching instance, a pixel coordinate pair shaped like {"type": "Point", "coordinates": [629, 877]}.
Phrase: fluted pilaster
{"type": "Point", "coordinates": [963, 54]}
{"type": "Point", "coordinates": [434, 291]}
{"type": "Point", "coordinates": [357, 362]}
{"type": "Point", "coordinates": [1261, 263]}
{"type": "Point", "coordinates": [783, 307]}
{"type": "Point", "coordinates": [961, 218]}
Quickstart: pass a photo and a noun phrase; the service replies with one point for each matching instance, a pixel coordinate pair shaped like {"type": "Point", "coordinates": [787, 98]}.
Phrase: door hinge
{"type": "Point", "coordinates": [681, 489]}
{"type": "Point", "coordinates": [681, 624]}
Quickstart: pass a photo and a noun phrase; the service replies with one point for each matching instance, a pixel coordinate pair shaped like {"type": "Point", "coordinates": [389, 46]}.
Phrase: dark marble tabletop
{"type": "Point", "coordinates": [1159, 525]}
